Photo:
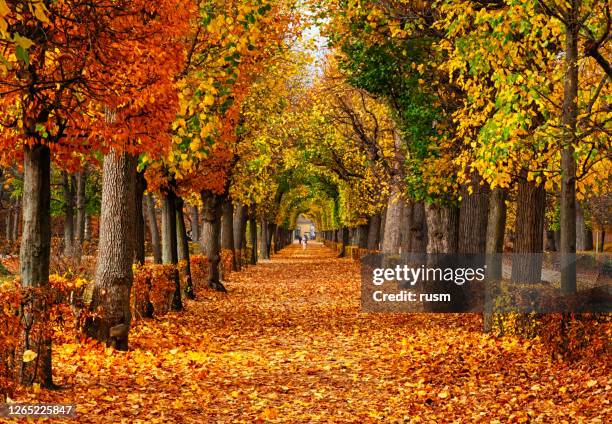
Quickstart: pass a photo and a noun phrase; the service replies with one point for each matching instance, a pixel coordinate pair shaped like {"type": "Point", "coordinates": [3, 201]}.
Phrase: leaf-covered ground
{"type": "Point", "coordinates": [289, 344]}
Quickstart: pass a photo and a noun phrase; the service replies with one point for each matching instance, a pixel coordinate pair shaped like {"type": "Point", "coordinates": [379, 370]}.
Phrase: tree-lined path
{"type": "Point", "coordinates": [288, 343]}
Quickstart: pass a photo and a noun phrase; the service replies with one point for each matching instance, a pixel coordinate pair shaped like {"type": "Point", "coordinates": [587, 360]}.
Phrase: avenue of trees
{"type": "Point", "coordinates": [132, 129]}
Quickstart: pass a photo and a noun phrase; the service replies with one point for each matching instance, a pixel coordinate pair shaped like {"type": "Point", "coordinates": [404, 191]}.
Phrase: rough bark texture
{"type": "Point", "coordinates": [473, 218]}
{"type": "Point", "coordinates": [528, 231]}
{"type": "Point", "coordinates": [139, 228]}
{"type": "Point", "coordinates": [183, 247]}
{"type": "Point", "coordinates": [169, 244]}
{"type": "Point", "coordinates": [392, 238]}
{"type": "Point", "coordinates": [374, 232]}
{"type": "Point", "coordinates": [211, 233]}
{"type": "Point", "coordinates": [405, 233]}
{"type": "Point", "coordinates": [264, 251]}
{"type": "Point", "coordinates": [34, 260]}
{"type": "Point", "coordinates": [153, 229]}
{"type": "Point", "coordinates": [16, 220]}
{"type": "Point", "coordinates": [253, 234]}
{"type": "Point", "coordinates": [442, 228]}
{"type": "Point", "coordinates": [418, 228]}
{"type": "Point", "coordinates": [69, 195]}
{"type": "Point", "coordinates": [195, 223]}
{"type": "Point", "coordinates": [567, 220]}
{"type": "Point", "coordinates": [496, 226]}
{"type": "Point", "coordinates": [240, 220]}
{"type": "Point", "coordinates": [227, 229]}
{"type": "Point", "coordinates": [113, 282]}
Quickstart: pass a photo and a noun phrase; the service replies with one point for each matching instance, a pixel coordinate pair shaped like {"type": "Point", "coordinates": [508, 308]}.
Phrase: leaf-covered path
{"type": "Point", "coordinates": [289, 344]}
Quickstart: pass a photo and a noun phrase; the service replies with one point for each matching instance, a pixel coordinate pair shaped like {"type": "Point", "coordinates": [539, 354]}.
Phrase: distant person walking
{"type": "Point", "coordinates": [304, 241]}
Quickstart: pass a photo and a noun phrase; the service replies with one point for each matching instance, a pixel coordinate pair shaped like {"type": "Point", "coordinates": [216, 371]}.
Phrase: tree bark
{"type": "Point", "coordinates": [69, 194]}
{"type": "Point", "coordinates": [567, 246]}
{"type": "Point", "coordinates": [345, 241]}
{"type": "Point", "coordinates": [374, 232]}
{"type": "Point", "coordinates": [253, 234]}
{"type": "Point", "coordinates": [113, 282]}
{"type": "Point", "coordinates": [34, 262]}
{"type": "Point", "coordinates": [405, 227]}
{"type": "Point", "coordinates": [418, 228]}
{"type": "Point", "coordinates": [496, 227]}
{"type": "Point", "coordinates": [582, 233]}
{"type": "Point", "coordinates": [473, 218]}
{"type": "Point", "coordinates": [264, 252]}
{"type": "Point", "coordinates": [195, 223]}
{"type": "Point", "coordinates": [183, 247]}
{"type": "Point", "coordinates": [169, 245]}
{"type": "Point", "coordinates": [240, 220]}
{"type": "Point", "coordinates": [529, 227]}
{"type": "Point", "coordinates": [393, 221]}
{"type": "Point", "coordinates": [442, 228]}
{"type": "Point", "coordinates": [227, 229]}
{"type": "Point", "coordinates": [16, 219]}
{"type": "Point", "coordinates": [154, 230]}
{"type": "Point", "coordinates": [139, 237]}
{"type": "Point", "coordinates": [211, 233]}
{"type": "Point", "coordinates": [362, 236]}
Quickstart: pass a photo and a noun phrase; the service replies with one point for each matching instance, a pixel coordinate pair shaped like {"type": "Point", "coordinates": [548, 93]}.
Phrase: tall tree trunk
{"type": "Point", "coordinates": [153, 229]}
{"type": "Point", "coordinates": [227, 229]}
{"type": "Point", "coordinates": [183, 247]}
{"type": "Point", "coordinates": [9, 224]}
{"type": "Point", "coordinates": [362, 236]}
{"type": "Point", "coordinates": [81, 200]}
{"type": "Point", "coordinates": [528, 240]}
{"type": "Point", "coordinates": [169, 245]}
{"type": "Point", "coordinates": [473, 217]}
{"type": "Point", "coordinates": [69, 195]}
{"type": "Point", "coordinates": [418, 228]}
{"type": "Point", "coordinates": [211, 234]}
{"type": "Point", "coordinates": [195, 223]}
{"type": "Point", "coordinates": [405, 227]}
{"type": "Point", "coordinates": [113, 282]}
{"type": "Point", "coordinates": [264, 252]}
{"type": "Point", "coordinates": [568, 163]}
{"type": "Point", "coordinates": [442, 228]}
{"type": "Point", "coordinates": [34, 262]}
{"type": "Point", "coordinates": [270, 234]}
{"type": "Point", "coordinates": [253, 234]}
{"type": "Point", "coordinates": [139, 227]}
{"type": "Point", "coordinates": [345, 241]}
{"type": "Point", "coordinates": [374, 232]}
{"type": "Point", "coordinates": [393, 221]}
{"type": "Point", "coordinates": [496, 227]}
{"type": "Point", "coordinates": [240, 220]}
{"type": "Point", "coordinates": [16, 219]}
{"type": "Point", "coordinates": [550, 244]}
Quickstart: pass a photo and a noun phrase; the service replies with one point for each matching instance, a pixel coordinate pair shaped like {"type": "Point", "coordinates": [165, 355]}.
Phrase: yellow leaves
{"type": "Point", "coordinates": [29, 356]}
{"type": "Point", "coordinates": [23, 42]}
{"type": "Point", "coordinates": [4, 9]}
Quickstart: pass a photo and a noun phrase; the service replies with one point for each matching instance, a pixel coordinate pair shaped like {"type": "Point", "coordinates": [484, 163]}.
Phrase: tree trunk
{"type": "Point", "coordinates": [69, 195]}
{"type": "Point", "coordinates": [253, 234]}
{"type": "Point", "coordinates": [393, 222]}
{"type": "Point", "coordinates": [195, 223]}
{"type": "Point", "coordinates": [227, 229]}
{"type": "Point", "coordinates": [374, 232]}
{"type": "Point", "coordinates": [240, 220]}
{"type": "Point", "coordinates": [211, 233]}
{"type": "Point", "coordinates": [139, 227]}
{"type": "Point", "coordinates": [567, 205]}
{"type": "Point", "coordinates": [442, 228]}
{"type": "Point", "coordinates": [550, 245]}
{"type": "Point", "coordinates": [418, 228]}
{"type": "Point", "coordinates": [9, 224]}
{"type": "Point", "coordinates": [270, 234]}
{"type": "Point", "coordinates": [113, 282]}
{"type": "Point", "coordinates": [496, 227]}
{"type": "Point", "coordinates": [528, 240]}
{"type": "Point", "coordinates": [154, 230]}
{"type": "Point", "coordinates": [405, 227]}
{"type": "Point", "coordinates": [169, 245]}
{"type": "Point", "coordinates": [34, 262]}
{"type": "Point", "coordinates": [263, 249]}
{"type": "Point", "coordinates": [183, 247]}
{"type": "Point", "coordinates": [362, 236]}
{"type": "Point", "coordinates": [345, 241]}
{"type": "Point", "coordinates": [473, 218]}
{"type": "Point", "coordinates": [16, 219]}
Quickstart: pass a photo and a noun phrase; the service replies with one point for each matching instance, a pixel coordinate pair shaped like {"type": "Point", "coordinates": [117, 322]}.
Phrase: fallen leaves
{"type": "Point", "coordinates": [288, 343]}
